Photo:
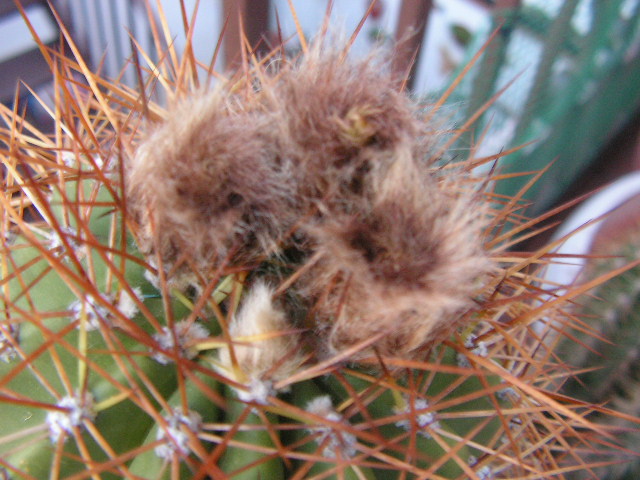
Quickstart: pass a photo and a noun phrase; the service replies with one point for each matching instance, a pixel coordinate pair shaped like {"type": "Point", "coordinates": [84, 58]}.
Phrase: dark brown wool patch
{"type": "Point", "coordinates": [327, 157]}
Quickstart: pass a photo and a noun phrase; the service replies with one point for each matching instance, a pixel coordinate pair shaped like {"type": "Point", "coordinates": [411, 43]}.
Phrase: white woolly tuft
{"type": "Point", "coordinates": [423, 418]}
{"type": "Point", "coordinates": [175, 438]}
{"type": "Point", "coordinates": [336, 443]}
{"type": "Point", "coordinates": [78, 409]}
{"type": "Point", "coordinates": [186, 333]}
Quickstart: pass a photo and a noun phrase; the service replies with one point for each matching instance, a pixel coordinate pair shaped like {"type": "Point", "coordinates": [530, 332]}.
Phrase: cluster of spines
{"type": "Point", "coordinates": [443, 407]}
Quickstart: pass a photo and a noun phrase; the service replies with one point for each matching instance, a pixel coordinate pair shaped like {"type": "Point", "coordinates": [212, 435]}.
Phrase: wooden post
{"type": "Point", "coordinates": [410, 32]}
{"type": "Point", "coordinates": [254, 16]}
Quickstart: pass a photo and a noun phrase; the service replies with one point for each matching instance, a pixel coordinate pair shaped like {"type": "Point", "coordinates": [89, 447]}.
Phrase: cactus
{"type": "Point", "coordinates": [282, 276]}
{"type": "Point", "coordinates": [607, 348]}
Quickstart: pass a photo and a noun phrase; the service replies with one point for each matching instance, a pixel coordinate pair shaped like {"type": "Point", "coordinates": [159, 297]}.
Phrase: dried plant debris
{"type": "Point", "coordinates": [327, 156]}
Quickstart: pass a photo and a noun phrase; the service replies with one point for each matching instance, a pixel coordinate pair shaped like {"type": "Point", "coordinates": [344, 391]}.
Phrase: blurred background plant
{"type": "Point", "coordinates": [608, 349]}
{"type": "Point", "coordinates": [482, 405]}
{"type": "Point", "coordinates": [572, 66]}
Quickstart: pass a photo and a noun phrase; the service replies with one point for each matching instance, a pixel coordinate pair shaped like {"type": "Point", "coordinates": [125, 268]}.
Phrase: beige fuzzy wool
{"type": "Point", "coordinates": [266, 347]}
{"type": "Point", "coordinates": [326, 156]}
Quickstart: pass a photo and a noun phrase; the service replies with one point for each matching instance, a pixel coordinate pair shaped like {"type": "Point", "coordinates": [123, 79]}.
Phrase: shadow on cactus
{"type": "Point", "coordinates": [281, 276]}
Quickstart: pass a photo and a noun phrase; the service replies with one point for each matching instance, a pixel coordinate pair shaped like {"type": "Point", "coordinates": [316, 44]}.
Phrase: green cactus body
{"type": "Point", "coordinates": [435, 431]}
{"type": "Point", "coordinates": [310, 442]}
{"type": "Point", "coordinates": [242, 463]}
{"type": "Point", "coordinates": [82, 352]}
{"type": "Point", "coordinates": [149, 464]}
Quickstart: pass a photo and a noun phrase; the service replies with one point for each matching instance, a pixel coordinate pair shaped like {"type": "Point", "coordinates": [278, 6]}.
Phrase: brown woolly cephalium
{"type": "Point", "coordinates": [406, 268]}
{"type": "Point", "coordinates": [332, 147]}
{"type": "Point", "coordinates": [340, 117]}
{"type": "Point", "coordinates": [208, 181]}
